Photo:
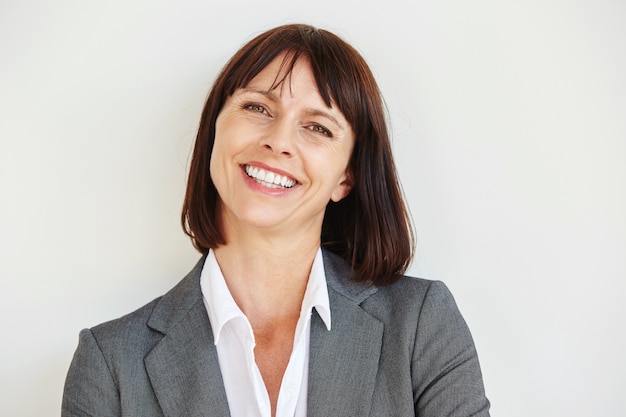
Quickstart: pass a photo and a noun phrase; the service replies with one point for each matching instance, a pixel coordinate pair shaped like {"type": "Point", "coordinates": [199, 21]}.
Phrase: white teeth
{"type": "Point", "coordinates": [268, 178]}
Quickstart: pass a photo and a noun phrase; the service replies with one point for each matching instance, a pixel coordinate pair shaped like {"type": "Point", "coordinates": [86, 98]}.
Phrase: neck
{"type": "Point", "coordinates": [267, 277]}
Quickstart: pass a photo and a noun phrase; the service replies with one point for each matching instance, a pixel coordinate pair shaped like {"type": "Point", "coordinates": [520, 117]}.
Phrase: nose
{"type": "Point", "coordinates": [279, 138]}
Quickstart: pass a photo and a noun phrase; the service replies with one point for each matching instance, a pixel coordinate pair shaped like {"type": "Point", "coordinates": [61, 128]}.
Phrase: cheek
{"type": "Point", "coordinates": [212, 161]}
{"type": "Point", "coordinates": [232, 135]}
{"type": "Point", "coordinates": [330, 168]}
{"type": "Point", "coordinates": [217, 159]}
{"type": "Point", "coordinates": [341, 160]}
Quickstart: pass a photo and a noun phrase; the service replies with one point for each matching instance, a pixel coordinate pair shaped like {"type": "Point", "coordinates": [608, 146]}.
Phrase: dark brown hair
{"type": "Point", "coordinates": [370, 228]}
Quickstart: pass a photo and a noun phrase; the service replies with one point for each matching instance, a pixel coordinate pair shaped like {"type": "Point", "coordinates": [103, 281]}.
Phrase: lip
{"type": "Point", "coordinates": [252, 183]}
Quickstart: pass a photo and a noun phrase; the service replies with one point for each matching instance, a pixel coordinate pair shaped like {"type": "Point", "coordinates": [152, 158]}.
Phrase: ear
{"type": "Point", "coordinates": [343, 188]}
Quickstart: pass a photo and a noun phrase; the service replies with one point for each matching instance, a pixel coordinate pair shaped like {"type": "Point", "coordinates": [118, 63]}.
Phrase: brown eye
{"type": "Point", "coordinates": [321, 130]}
{"type": "Point", "coordinates": [256, 108]}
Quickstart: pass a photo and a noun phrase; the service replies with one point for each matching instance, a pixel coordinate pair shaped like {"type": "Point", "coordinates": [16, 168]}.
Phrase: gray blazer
{"type": "Point", "coordinates": [400, 350]}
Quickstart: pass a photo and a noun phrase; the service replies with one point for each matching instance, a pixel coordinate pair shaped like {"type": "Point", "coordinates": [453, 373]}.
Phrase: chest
{"type": "Point", "coordinates": [273, 376]}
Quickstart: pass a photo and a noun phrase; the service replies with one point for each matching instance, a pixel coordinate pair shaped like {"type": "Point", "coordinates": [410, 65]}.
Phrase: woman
{"type": "Point", "coordinates": [298, 306]}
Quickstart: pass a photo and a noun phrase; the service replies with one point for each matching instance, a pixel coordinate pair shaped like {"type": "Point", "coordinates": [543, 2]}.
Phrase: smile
{"type": "Point", "coordinates": [269, 179]}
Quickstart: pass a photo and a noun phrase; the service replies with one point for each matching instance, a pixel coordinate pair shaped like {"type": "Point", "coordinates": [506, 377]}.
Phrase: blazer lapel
{"type": "Point", "coordinates": [344, 361]}
{"type": "Point", "coordinates": [183, 367]}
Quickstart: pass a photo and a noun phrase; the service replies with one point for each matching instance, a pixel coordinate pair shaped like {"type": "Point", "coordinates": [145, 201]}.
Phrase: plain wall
{"type": "Point", "coordinates": [509, 126]}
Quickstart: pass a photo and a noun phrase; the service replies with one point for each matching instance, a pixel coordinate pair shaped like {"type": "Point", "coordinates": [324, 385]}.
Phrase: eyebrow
{"type": "Point", "coordinates": [310, 111]}
{"type": "Point", "coordinates": [268, 94]}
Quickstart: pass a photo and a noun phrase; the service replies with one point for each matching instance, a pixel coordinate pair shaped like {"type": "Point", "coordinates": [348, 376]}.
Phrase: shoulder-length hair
{"type": "Point", "coordinates": [370, 228]}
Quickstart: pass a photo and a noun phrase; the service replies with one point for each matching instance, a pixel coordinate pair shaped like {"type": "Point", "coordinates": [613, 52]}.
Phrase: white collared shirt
{"type": "Point", "coordinates": [234, 339]}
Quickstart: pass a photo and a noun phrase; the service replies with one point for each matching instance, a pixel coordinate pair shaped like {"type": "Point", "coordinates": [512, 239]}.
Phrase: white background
{"type": "Point", "coordinates": [509, 125]}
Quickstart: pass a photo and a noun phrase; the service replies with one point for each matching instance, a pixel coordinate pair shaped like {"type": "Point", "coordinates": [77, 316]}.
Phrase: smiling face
{"type": "Point", "coordinates": [280, 154]}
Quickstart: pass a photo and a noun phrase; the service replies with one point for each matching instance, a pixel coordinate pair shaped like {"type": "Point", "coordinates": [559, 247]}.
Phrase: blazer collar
{"type": "Point", "coordinates": [337, 272]}
{"type": "Point", "coordinates": [184, 369]}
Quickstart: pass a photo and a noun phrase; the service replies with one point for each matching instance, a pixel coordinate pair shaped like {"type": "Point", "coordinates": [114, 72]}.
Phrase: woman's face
{"type": "Point", "coordinates": [280, 155]}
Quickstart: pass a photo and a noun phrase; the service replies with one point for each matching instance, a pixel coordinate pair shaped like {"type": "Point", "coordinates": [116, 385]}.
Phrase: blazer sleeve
{"type": "Point", "coordinates": [447, 380]}
{"type": "Point", "coordinates": [90, 389]}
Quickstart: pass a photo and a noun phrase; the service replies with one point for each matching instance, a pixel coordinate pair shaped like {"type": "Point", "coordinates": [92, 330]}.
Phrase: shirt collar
{"type": "Point", "coordinates": [221, 307]}
{"type": "Point", "coordinates": [316, 294]}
